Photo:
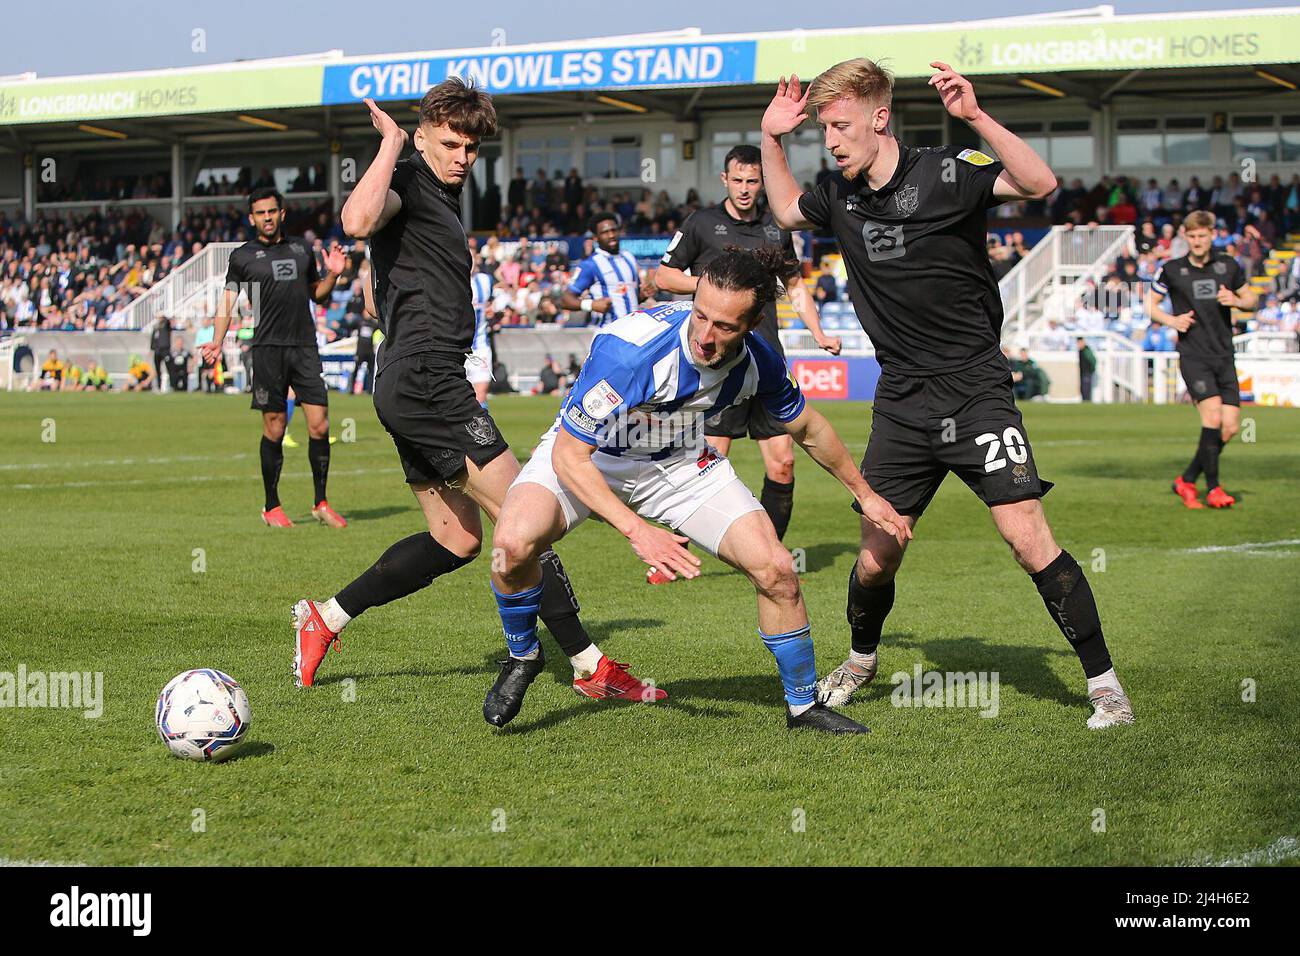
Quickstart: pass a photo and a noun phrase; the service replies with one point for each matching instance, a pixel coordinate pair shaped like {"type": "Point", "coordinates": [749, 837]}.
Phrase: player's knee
{"type": "Point", "coordinates": [273, 427]}
{"type": "Point", "coordinates": [775, 577]}
{"type": "Point", "coordinates": [781, 469]}
{"type": "Point", "coordinates": [320, 429]}
{"type": "Point", "coordinates": [1213, 419]}
{"type": "Point", "coordinates": [1228, 430]}
{"type": "Point", "coordinates": [511, 550]}
{"type": "Point", "coordinates": [878, 567]}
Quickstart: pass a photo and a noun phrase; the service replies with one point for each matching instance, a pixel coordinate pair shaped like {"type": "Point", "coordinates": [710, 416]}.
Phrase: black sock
{"type": "Point", "coordinates": [272, 461]}
{"type": "Point", "coordinates": [1211, 445]}
{"type": "Point", "coordinates": [1069, 600]}
{"type": "Point", "coordinates": [559, 610]}
{"type": "Point", "coordinates": [1193, 470]}
{"type": "Point", "coordinates": [868, 608]}
{"type": "Point", "coordinates": [406, 567]}
{"type": "Point", "coordinates": [777, 500]}
{"type": "Point", "coordinates": [318, 453]}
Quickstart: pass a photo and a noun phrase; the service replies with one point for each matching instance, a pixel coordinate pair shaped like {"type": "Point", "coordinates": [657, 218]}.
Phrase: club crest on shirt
{"type": "Point", "coordinates": [481, 430]}
{"type": "Point", "coordinates": [601, 399]}
{"type": "Point", "coordinates": [907, 199]}
{"type": "Point", "coordinates": [1220, 267]}
{"type": "Point", "coordinates": [772, 232]}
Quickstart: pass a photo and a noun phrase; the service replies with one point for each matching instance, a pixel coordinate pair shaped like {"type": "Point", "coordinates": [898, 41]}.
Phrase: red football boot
{"type": "Point", "coordinates": [311, 642]}
{"type": "Point", "coordinates": [328, 516]}
{"type": "Point", "coordinates": [654, 576]}
{"type": "Point", "coordinates": [612, 680]}
{"type": "Point", "coordinates": [276, 518]}
{"type": "Point", "coordinates": [1218, 498]}
{"type": "Point", "coordinates": [1187, 491]}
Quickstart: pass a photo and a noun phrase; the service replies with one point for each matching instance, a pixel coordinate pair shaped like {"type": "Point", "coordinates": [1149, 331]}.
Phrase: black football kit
{"type": "Point", "coordinates": [1205, 354]}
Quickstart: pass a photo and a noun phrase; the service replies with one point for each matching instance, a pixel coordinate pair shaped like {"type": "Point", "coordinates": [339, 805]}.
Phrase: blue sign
{"type": "Point", "coordinates": [547, 71]}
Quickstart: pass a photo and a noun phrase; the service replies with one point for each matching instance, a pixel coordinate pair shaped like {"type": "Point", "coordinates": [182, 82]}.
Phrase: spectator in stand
{"type": "Point", "coordinates": [1087, 367]}
{"type": "Point", "coordinates": [551, 378]}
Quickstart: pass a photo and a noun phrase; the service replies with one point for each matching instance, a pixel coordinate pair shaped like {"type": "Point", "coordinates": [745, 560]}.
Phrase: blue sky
{"type": "Point", "coordinates": [146, 34]}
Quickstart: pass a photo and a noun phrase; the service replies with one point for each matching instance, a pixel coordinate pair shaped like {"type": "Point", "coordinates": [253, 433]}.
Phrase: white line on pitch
{"type": "Point", "coordinates": [1280, 850]}
{"type": "Point", "coordinates": [109, 462]}
{"type": "Point", "coordinates": [1246, 547]}
{"type": "Point", "coordinates": [4, 861]}
{"type": "Point", "coordinates": [186, 479]}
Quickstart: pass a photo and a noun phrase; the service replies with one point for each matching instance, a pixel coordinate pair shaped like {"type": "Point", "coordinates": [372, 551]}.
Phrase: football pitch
{"type": "Point", "coordinates": [132, 547]}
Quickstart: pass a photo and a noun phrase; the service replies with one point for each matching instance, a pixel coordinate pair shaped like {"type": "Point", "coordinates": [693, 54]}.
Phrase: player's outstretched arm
{"type": "Point", "coordinates": [675, 281]}
{"type": "Point", "coordinates": [220, 326]}
{"type": "Point", "coordinates": [372, 202]}
{"type": "Point", "coordinates": [655, 546]}
{"type": "Point", "coordinates": [1025, 175]}
{"type": "Point", "coordinates": [784, 115]}
{"type": "Point", "coordinates": [816, 436]}
{"type": "Point", "coordinates": [804, 305]}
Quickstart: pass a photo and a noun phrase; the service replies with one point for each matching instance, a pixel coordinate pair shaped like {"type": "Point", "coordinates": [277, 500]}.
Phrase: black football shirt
{"type": "Point", "coordinates": [1194, 289]}
{"type": "Point", "coordinates": [421, 264]}
{"type": "Point", "coordinates": [706, 232]}
{"type": "Point", "coordinates": [919, 273]}
{"type": "Point", "coordinates": [278, 279]}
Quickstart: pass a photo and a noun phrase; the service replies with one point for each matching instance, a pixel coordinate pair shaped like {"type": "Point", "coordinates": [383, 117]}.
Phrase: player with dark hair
{"type": "Point", "coordinates": [740, 220]}
{"type": "Point", "coordinates": [911, 225]}
{"type": "Point", "coordinates": [629, 447]}
{"type": "Point", "coordinates": [1204, 287]}
{"type": "Point", "coordinates": [455, 459]}
{"type": "Point", "coordinates": [278, 277]}
{"type": "Point", "coordinates": [610, 276]}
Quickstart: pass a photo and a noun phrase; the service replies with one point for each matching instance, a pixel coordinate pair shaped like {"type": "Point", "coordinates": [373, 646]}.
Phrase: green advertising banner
{"type": "Point", "coordinates": [159, 94]}
{"type": "Point", "coordinates": [1046, 47]}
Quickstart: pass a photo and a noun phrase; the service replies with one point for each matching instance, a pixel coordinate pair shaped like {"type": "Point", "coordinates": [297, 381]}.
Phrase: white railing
{"type": "Point", "coordinates": [1270, 343]}
{"type": "Point", "coordinates": [188, 288]}
{"type": "Point", "coordinates": [1065, 257]}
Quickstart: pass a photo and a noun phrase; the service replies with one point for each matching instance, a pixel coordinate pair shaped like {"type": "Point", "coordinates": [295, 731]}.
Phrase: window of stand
{"type": "Point", "coordinates": [1266, 137]}
{"type": "Point", "coordinates": [1162, 141]}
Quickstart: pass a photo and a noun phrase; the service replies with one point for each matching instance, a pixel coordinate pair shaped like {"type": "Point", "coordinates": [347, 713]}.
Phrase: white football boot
{"type": "Point", "coordinates": [835, 689]}
{"type": "Point", "coordinates": [1109, 707]}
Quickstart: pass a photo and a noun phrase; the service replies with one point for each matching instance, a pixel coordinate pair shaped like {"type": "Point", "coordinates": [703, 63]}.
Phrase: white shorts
{"type": "Point", "coordinates": [699, 498]}
{"type": "Point", "coordinates": [478, 367]}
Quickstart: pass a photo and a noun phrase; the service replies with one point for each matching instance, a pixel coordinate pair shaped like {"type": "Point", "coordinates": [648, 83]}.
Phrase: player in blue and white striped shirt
{"type": "Point", "coordinates": [629, 446]}
{"type": "Point", "coordinates": [608, 283]}
{"type": "Point", "coordinates": [478, 366]}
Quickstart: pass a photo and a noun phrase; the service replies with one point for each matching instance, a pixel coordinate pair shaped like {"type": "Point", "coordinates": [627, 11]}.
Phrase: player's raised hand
{"type": "Point", "coordinates": [334, 259]}
{"type": "Point", "coordinates": [882, 514]}
{"type": "Point", "coordinates": [663, 550]}
{"type": "Point", "coordinates": [956, 91]}
{"type": "Point", "coordinates": [384, 123]}
{"type": "Point", "coordinates": [787, 110]}
{"type": "Point", "coordinates": [1184, 321]}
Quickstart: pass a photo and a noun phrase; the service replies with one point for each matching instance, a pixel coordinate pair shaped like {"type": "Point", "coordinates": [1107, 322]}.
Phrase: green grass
{"type": "Point", "coordinates": [97, 552]}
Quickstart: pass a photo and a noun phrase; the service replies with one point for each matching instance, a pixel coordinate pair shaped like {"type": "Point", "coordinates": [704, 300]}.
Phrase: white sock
{"type": "Point", "coordinates": [864, 661]}
{"type": "Point", "coordinates": [1107, 679]}
{"type": "Point", "coordinates": [796, 711]}
{"type": "Point", "coordinates": [530, 656]}
{"type": "Point", "coordinates": [335, 617]}
{"type": "Point", "coordinates": [585, 662]}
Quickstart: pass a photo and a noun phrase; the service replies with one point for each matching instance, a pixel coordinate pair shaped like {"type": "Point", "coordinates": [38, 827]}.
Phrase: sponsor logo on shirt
{"type": "Point", "coordinates": [601, 399]}
{"type": "Point", "coordinates": [720, 229]}
{"type": "Point", "coordinates": [1205, 288]}
{"type": "Point", "coordinates": [582, 420]}
{"type": "Point", "coordinates": [284, 269]}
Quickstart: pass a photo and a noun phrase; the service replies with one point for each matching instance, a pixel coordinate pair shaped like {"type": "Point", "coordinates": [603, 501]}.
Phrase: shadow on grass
{"type": "Point", "coordinates": [254, 748]}
{"type": "Point", "coordinates": [1024, 668]}
{"type": "Point", "coordinates": [823, 555]}
{"type": "Point", "coordinates": [373, 514]}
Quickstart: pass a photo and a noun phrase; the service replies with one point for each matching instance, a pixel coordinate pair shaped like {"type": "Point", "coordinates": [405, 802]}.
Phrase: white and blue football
{"type": "Point", "coordinates": [203, 714]}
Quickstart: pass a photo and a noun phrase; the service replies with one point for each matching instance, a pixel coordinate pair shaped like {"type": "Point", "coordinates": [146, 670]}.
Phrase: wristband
{"type": "Point", "coordinates": [585, 305]}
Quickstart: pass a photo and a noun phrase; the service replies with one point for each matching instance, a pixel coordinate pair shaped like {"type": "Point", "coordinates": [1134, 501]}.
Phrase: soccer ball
{"type": "Point", "coordinates": [202, 714]}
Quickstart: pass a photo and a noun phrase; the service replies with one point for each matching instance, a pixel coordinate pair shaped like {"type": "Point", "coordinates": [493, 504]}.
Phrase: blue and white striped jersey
{"type": "Point", "coordinates": [640, 394]}
{"type": "Point", "coordinates": [480, 286]}
{"type": "Point", "coordinates": [614, 277]}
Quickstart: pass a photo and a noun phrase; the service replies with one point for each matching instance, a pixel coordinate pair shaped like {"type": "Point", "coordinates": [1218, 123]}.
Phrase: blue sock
{"type": "Point", "coordinates": [519, 619]}
{"type": "Point", "coordinates": [484, 404]}
{"type": "Point", "coordinates": [795, 663]}
{"type": "Point", "coordinates": [289, 412]}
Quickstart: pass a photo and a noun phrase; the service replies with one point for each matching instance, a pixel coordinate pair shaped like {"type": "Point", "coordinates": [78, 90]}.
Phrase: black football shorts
{"type": "Point", "coordinates": [963, 422]}
{"type": "Point", "coordinates": [278, 368]}
{"type": "Point", "coordinates": [428, 407]}
{"type": "Point", "coordinates": [1210, 377]}
{"type": "Point", "coordinates": [750, 417]}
